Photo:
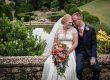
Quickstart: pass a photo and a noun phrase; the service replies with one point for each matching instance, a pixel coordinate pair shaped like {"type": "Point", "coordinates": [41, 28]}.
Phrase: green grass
{"type": "Point", "coordinates": [100, 8]}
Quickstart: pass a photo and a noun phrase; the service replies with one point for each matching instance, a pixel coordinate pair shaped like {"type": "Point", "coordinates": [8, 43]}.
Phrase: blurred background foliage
{"type": "Point", "coordinates": [13, 34]}
{"type": "Point", "coordinates": [17, 40]}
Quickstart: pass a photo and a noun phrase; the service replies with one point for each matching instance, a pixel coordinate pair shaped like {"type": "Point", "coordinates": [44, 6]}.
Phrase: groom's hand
{"type": "Point", "coordinates": [93, 60]}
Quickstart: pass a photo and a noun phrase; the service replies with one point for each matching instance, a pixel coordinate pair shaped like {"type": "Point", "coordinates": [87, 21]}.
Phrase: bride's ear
{"type": "Point", "coordinates": [62, 21]}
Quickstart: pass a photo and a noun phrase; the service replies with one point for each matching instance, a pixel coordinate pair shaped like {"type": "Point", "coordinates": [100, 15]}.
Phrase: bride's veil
{"type": "Point", "coordinates": [50, 41]}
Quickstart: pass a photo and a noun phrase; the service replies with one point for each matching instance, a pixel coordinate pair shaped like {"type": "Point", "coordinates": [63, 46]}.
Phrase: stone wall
{"type": "Point", "coordinates": [31, 67]}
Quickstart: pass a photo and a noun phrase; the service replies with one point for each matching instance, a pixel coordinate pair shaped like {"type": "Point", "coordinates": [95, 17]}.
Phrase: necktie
{"type": "Point", "coordinates": [81, 32]}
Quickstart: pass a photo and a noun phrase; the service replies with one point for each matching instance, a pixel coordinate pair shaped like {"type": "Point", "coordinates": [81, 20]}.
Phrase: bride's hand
{"type": "Point", "coordinates": [69, 51]}
{"type": "Point", "coordinates": [55, 44]}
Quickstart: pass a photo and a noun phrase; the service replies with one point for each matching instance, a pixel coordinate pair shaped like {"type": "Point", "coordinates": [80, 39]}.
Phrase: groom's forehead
{"type": "Point", "coordinates": [75, 17]}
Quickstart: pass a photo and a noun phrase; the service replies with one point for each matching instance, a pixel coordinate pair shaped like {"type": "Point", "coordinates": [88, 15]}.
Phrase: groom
{"type": "Point", "coordinates": [86, 49]}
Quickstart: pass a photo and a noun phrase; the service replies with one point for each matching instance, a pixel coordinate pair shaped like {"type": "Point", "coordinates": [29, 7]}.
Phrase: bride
{"type": "Point", "coordinates": [62, 32]}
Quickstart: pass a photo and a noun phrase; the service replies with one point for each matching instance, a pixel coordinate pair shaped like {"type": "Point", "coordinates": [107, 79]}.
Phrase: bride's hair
{"type": "Point", "coordinates": [65, 18]}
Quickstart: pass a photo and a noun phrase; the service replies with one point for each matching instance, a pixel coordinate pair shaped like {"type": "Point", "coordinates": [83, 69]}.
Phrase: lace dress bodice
{"type": "Point", "coordinates": [66, 37]}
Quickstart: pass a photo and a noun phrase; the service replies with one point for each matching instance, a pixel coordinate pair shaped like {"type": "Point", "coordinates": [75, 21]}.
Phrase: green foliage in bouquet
{"type": "Point", "coordinates": [60, 58]}
{"type": "Point", "coordinates": [17, 40]}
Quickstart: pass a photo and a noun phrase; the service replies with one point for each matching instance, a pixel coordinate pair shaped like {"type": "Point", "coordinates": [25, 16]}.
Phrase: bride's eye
{"type": "Point", "coordinates": [70, 23]}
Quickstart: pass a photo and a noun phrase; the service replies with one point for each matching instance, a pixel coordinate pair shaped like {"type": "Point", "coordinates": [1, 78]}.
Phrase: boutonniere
{"type": "Point", "coordinates": [87, 29]}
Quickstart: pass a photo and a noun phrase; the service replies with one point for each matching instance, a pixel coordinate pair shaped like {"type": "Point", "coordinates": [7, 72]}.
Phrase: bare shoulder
{"type": "Point", "coordinates": [73, 30]}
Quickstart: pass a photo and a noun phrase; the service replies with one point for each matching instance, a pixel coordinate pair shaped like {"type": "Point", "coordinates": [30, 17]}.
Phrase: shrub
{"type": "Point", "coordinates": [103, 42]}
{"type": "Point", "coordinates": [104, 27]}
{"type": "Point", "coordinates": [54, 5]}
{"type": "Point", "coordinates": [12, 5]}
{"type": "Point", "coordinates": [44, 9]}
{"type": "Point", "coordinates": [23, 7]}
{"type": "Point", "coordinates": [6, 9]}
{"type": "Point", "coordinates": [2, 10]}
{"type": "Point", "coordinates": [56, 16]}
{"type": "Point", "coordinates": [91, 19]}
{"type": "Point", "coordinates": [54, 9]}
{"type": "Point", "coordinates": [27, 16]}
{"type": "Point", "coordinates": [29, 13]}
{"type": "Point", "coordinates": [71, 8]}
{"type": "Point", "coordinates": [17, 40]}
{"type": "Point", "coordinates": [22, 15]}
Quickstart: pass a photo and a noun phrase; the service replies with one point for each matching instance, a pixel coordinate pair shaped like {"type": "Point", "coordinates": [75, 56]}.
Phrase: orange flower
{"type": "Point", "coordinates": [55, 51]}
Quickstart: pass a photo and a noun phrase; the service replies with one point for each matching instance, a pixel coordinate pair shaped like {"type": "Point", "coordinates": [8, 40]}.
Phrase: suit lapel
{"type": "Point", "coordinates": [85, 32]}
{"type": "Point", "coordinates": [78, 31]}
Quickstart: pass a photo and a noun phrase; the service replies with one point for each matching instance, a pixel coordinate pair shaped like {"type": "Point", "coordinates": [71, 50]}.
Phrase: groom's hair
{"type": "Point", "coordinates": [79, 14]}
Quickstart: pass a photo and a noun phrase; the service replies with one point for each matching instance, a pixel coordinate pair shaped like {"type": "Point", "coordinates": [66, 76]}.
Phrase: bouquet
{"type": "Point", "coordinates": [60, 58]}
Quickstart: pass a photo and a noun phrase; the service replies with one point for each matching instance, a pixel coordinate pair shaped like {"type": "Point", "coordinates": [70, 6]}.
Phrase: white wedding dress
{"type": "Point", "coordinates": [49, 71]}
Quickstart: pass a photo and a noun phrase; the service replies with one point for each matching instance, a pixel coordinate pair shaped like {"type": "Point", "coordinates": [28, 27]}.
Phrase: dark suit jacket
{"type": "Point", "coordinates": [89, 41]}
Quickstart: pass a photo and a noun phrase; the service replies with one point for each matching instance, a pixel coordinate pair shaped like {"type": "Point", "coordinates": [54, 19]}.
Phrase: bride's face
{"type": "Point", "coordinates": [68, 23]}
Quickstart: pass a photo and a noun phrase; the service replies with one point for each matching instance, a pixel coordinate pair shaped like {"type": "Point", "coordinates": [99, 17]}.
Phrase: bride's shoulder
{"type": "Point", "coordinates": [60, 30]}
{"type": "Point", "coordinates": [74, 30]}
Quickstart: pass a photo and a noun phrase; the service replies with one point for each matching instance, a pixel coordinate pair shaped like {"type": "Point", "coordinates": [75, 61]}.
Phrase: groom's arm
{"type": "Point", "coordinates": [94, 43]}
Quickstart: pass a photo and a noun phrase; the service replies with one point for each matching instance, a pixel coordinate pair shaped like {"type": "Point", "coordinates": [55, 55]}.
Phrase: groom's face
{"type": "Point", "coordinates": [76, 20]}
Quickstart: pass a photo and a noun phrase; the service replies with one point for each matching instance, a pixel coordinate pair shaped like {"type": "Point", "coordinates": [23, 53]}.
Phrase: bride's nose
{"type": "Point", "coordinates": [70, 23]}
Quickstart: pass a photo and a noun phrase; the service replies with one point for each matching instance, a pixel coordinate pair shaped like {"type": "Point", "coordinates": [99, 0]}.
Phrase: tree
{"type": "Point", "coordinates": [55, 5]}
{"type": "Point", "coordinates": [61, 4]}
{"type": "Point", "coordinates": [71, 8]}
{"type": "Point", "coordinates": [37, 4]}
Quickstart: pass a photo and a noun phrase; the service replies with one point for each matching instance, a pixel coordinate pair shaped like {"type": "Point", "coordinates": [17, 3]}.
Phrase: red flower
{"type": "Point", "coordinates": [55, 51]}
